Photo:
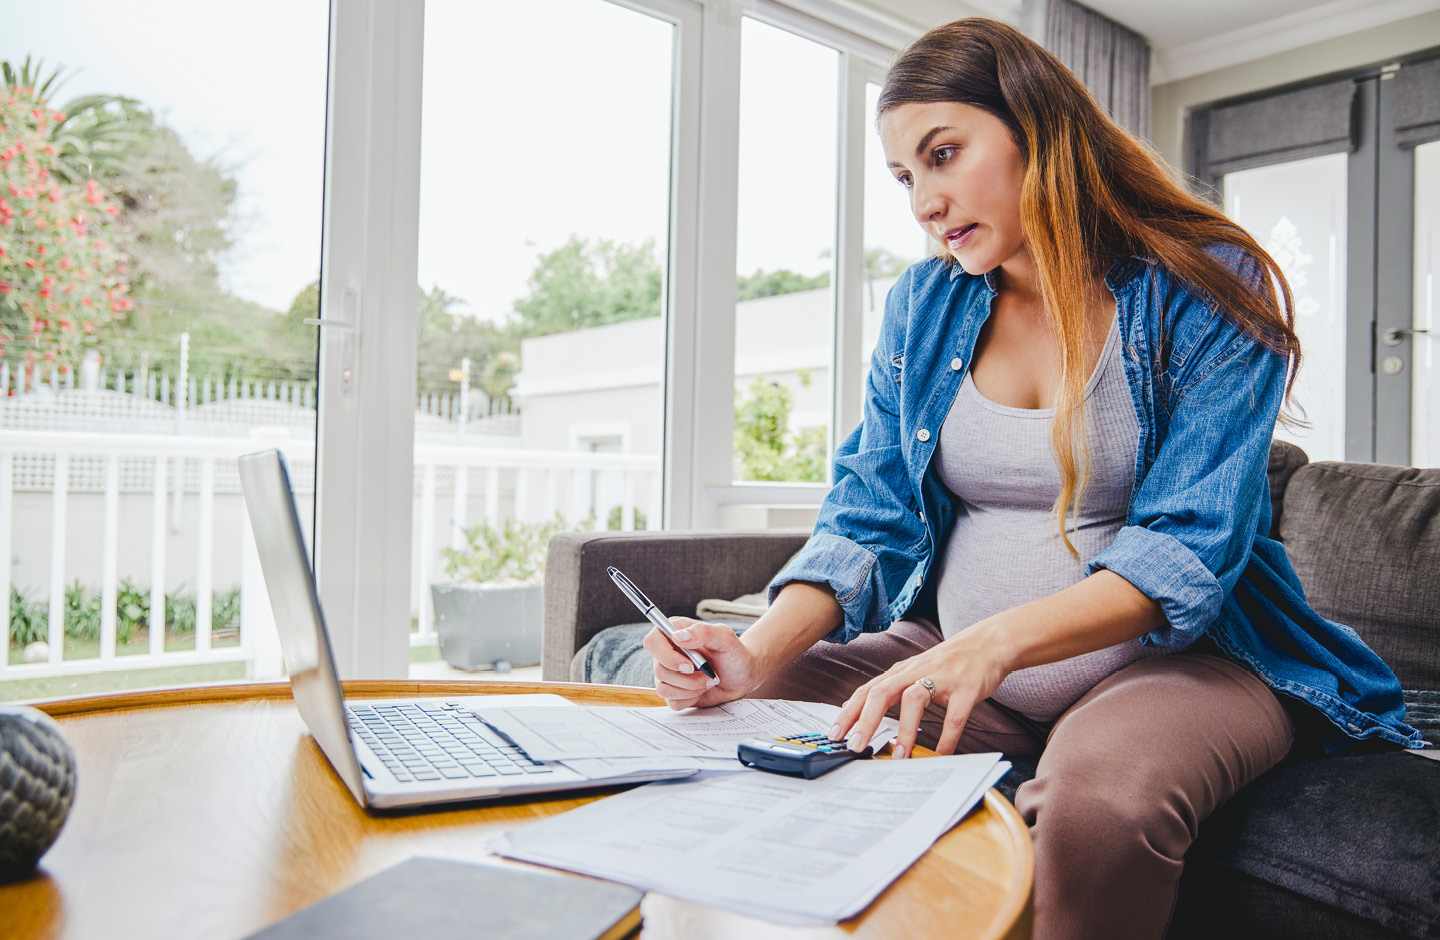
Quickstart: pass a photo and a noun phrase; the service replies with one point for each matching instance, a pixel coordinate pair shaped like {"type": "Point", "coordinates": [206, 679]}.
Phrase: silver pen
{"type": "Point", "coordinates": [661, 622]}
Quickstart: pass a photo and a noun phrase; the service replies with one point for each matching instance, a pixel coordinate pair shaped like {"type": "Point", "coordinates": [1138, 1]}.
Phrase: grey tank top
{"type": "Point", "coordinates": [1003, 551]}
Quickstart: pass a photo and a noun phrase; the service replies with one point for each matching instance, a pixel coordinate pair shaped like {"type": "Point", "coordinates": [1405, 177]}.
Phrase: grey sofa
{"type": "Point", "coordinates": [1346, 846]}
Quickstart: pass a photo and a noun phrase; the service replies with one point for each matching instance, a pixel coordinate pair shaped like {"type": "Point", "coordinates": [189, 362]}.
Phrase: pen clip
{"type": "Point", "coordinates": [637, 596]}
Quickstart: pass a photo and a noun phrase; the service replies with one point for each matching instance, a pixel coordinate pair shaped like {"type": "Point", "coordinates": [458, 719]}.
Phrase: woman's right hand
{"type": "Point", "coordinates": [681, 685]}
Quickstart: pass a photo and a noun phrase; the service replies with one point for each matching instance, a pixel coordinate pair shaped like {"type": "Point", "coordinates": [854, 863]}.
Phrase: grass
{"type": "Point", "coordinates": [139, 645]}
{"type": "Point", "coordinates": [94, 683]}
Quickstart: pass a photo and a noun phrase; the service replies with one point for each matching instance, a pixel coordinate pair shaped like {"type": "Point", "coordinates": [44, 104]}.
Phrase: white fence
{"type": "Point", "coordinates": [455, 486]}
{"type": "Point", "coordinates": [158, 386]}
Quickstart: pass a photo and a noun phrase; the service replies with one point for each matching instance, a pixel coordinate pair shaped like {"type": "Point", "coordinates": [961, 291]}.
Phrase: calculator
{"type": "Point", "coordinates": [803, 755]}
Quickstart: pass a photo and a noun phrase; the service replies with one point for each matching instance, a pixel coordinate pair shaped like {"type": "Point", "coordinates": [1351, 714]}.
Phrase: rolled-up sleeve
{"type": "Point", "coordinates": [1195, 514]}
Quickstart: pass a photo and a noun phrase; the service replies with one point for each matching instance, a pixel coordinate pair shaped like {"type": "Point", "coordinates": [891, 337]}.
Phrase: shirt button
{"type": "Point", "coordinates": [956, 365]}
{"type": "Point", "coordinates": [923, 434]}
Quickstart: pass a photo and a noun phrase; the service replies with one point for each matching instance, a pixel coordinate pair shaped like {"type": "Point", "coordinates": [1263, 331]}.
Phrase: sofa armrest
{"type": "Point", "coordinates": [676, 570]}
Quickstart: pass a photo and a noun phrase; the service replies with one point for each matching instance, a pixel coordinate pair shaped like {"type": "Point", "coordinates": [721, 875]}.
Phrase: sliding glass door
{"type": "Point", "coordinates": [1338, 181]}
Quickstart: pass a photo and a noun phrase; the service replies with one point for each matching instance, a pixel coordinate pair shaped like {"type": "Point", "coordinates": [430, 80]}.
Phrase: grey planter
{"type": "Point", "coordinates": [483, 627]}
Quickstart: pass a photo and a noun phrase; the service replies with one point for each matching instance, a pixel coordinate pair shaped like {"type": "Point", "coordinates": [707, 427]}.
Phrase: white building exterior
{"type": "Point", "coordinates": [600, 389]}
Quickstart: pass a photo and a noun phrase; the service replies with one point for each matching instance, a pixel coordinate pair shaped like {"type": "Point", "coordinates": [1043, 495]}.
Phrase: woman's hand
{"type": "Point", "coordinates": [966, 669]}
{"type": "Point", "coordinates": [681, 685]}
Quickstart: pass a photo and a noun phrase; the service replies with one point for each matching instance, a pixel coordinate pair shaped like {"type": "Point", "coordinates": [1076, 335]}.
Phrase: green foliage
{"type": "Point", "coordinates": [179, 614]}
{"type": "Point", "coordinates": [82, 613]}
{"type": "Point", "coordinates": [61, 274]}
{"type": "Point", "coordinates": [765, 447]}
{"type": "Point", "coordinates": [225, 610]}
{"type": "Point", "coordinates": [514, 552]}
{"type": "Point", "coordinates": [132, 608]}
{"type": "Point", "coordinates": [30, 620]}
{"type": "Point", "coordinates": [773, 283]}
{"type": "Point", "coordinates": [589, 282]}
{"type": "Point", "coordinates": [882, 262]}
{"type": "Point", "coordinates": [164, 219]}
{"type": "Point", "coordinates": [614, 523]}
{"type": "Point", "coordinates": [448, 338]}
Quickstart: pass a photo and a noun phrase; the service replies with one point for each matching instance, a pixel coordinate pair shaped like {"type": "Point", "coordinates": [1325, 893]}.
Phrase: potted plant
{"type": "Point", "coordinates": [489, 613]}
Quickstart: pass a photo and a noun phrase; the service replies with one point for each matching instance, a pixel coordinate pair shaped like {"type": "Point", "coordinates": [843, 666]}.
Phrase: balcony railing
{"type": "Point", "coordinates": [95, 503]}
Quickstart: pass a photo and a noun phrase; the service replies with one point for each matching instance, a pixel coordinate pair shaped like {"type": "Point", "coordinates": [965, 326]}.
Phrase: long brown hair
{"type": "Point", "coordinates": [1091, 193]}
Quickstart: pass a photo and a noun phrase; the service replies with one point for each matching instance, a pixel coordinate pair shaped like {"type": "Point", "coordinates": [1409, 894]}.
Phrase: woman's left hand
{"type": "Point", "coordinates": [966, 669]}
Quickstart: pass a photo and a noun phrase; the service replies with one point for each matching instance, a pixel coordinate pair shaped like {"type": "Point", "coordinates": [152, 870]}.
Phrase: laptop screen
{"type": "Point", "coordinates": [290, 583]}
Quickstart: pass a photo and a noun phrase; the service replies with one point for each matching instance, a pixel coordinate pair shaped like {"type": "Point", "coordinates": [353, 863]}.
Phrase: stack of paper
{"type": "Point", "coordinates": [568, 733]}
{"type": "Point", "coordinates": [786, 849]}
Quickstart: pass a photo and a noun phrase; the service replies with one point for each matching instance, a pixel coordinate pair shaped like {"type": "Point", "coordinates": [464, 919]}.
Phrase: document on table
{"type": "Point", "coordinates": [571, 733]}
{"type": "Point", "coordinates": [786, 849]}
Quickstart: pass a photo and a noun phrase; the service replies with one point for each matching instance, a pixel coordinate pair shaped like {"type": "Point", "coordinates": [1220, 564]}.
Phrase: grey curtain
{"type": "Point", "coordinates": [1293, 125]}
{"type": "Point", "coordinates": [1417, 104]}
{"type": "Point", "coordinates": [1111, 60]}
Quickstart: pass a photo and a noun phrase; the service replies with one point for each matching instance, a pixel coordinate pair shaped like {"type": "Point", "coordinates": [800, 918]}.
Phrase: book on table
{"type": "Point", "coordinates": [439, 899]}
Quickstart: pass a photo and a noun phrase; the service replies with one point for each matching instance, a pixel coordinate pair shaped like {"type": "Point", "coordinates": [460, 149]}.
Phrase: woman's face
{"type": "Point", "coordinates": [963, 172]}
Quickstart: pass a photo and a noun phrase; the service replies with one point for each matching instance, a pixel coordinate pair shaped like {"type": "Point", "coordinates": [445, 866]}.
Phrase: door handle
{"type": "Point", "coordinates": [1393, 337]}
{"type": "Point", "coordinates": [347, 330]}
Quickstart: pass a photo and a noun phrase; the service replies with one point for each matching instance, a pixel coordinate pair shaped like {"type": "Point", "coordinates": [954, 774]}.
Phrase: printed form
{"type": "Point", "coordinates": [571, 733]}
{"type": "Point", "coordinates": [786, 849]}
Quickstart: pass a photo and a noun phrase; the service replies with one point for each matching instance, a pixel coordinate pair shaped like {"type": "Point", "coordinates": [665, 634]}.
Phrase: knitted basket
{"type": "Point", "coordinates": [37, 785]}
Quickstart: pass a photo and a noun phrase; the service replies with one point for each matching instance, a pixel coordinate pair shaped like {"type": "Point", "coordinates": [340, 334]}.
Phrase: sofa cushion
{"type": "Point", "coordinates": [1365, 541]}
{"type": "Point", "coordinates": [1354, 832]}
{"type": "Point", "coordinates": [1285, 459]}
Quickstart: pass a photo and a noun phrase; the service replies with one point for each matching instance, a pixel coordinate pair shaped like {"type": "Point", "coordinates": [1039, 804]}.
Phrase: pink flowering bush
{"type": "Point", "coordinates": [61, 275]}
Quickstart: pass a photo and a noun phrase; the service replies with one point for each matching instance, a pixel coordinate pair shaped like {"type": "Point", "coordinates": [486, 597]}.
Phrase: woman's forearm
{"type": "Point", "coordinates": [800, 616]}
{"type": "Point", "coordinates": [1092, 614]}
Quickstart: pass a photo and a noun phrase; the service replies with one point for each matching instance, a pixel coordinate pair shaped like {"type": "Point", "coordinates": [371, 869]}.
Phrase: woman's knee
{"type": "Point", "coordinates": [1107, 812]}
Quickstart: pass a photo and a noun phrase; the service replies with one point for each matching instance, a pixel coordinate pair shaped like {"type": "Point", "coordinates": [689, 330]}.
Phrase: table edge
{"type": "Point", "coordinates": [265, 690]}
{"type": "Point", "coordinates": [1015, 832]}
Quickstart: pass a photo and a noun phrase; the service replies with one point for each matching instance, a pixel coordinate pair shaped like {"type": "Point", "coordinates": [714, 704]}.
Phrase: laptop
{"type": "Point", "coordinates": [390, 753]}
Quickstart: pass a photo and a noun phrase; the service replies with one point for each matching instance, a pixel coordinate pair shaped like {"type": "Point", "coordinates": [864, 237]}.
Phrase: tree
{"type": "Point", "coordinates": [448, 338]}
{"type": "Point", "coordinates": [773, 283]}
{"type": "Point", "coordinates": [96, 135]}
{"type": "Point", "coordinates": [61, 274]}
{"type": "Point", "coordinates": [444, 340]}
{"type": "Point", "coordinates": [590, 282]}
{"type": "Point", "coordinates": [170, 223]}
{"type": "Point", "coordinates": [765, 447]}
{"type": "Point", "coordinates": [882, 262]}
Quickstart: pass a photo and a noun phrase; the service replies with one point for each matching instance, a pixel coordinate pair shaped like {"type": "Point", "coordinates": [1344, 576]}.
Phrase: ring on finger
{"type": "Point", "coordinates": [928, 684]}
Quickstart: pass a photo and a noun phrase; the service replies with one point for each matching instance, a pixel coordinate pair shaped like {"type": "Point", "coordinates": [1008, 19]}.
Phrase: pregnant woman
{"type": "Point", "coordinates": [1048, 536]}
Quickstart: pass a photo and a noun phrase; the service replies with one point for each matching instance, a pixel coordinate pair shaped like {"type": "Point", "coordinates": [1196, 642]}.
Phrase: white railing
{"type": "Point", "coordinates": [192, 477]}
{"type": "Point", "coordinates": [540, 484]}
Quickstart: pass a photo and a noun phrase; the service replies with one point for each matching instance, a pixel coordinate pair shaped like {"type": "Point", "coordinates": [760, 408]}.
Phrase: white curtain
{"type": "Point", "coordinates": [1112, 61]}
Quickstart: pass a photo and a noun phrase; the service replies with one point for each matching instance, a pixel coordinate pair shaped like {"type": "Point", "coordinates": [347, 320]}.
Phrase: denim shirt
{"type": "Point", "coordinates": [1195, 537]}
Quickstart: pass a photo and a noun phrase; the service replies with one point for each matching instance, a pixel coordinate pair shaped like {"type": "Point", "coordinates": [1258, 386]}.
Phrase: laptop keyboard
{"type": "Point", "coordinates": [437, 740]}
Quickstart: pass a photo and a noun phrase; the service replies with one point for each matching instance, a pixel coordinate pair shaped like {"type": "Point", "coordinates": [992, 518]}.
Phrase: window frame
{"type": "Point", "coordinates": [368, 359]}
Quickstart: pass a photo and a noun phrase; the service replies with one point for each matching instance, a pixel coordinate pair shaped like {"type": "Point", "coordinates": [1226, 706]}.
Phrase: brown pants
{"type": "Point", "coordinates": [1125, 775]}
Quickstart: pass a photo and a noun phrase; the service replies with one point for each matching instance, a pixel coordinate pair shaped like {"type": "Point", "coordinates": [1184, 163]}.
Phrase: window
{"type": "Point", "coordinates": [161, 248]}
{"type": "Point", "coordinates": [525, 299]}
{"type": "Point", "coordinates": [1332, 177]}
{"type": "Point", "coordinates": [893, 239]}
{"type": "Point", "coordinates": [785, 253]}
{"type": "Point", "coordinates": [544, 245]}
{"type": "Point", "coordinates": [1296, 211]}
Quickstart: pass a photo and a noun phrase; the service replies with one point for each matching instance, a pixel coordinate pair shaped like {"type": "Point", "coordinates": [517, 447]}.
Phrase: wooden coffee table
{"type": "Point", "coordinates": [211, 812]}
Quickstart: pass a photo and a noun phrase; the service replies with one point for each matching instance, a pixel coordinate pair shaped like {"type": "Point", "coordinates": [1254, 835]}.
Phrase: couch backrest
{"type": "Point", "coordinates": [1365, 541]}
